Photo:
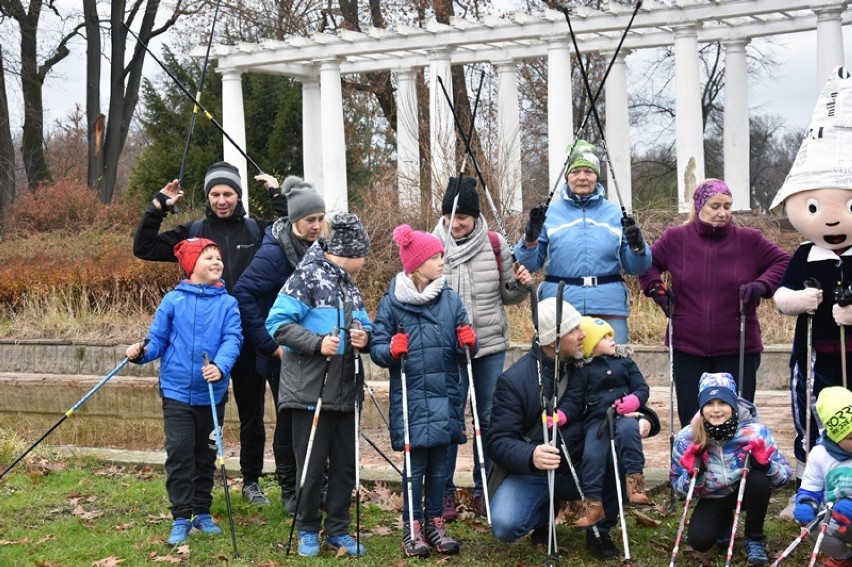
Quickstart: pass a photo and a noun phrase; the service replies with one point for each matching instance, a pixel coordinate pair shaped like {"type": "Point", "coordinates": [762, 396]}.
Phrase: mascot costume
{"type": "Point", "coordinates": [817, 286]}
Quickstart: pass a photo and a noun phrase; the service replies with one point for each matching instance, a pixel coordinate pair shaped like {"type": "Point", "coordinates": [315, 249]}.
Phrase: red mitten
{"type": "Point", "coordinates": [467, 338]}
{"type": "Point", "coordinates": [561, 419]}
{"type": "Point", "coordinates": [692, 457]}
{"type": "Point", "coordinates": [627, 404]}
{"type": "Point", "coordinates": [759, 451]}
{"type": "Point", "coordinates": [399, 345]}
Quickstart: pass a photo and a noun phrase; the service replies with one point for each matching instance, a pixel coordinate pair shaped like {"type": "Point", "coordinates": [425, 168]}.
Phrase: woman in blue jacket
{"type": "Point", "coordinates": [422, 319]}
{"type": "Point", "coordinates": [284, 245]}
{"type": "Point", "coordinates": [584, 241]}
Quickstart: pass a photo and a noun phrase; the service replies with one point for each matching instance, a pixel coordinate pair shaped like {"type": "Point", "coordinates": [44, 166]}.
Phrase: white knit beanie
{"type": "Point", "coordinates": [547, 320]}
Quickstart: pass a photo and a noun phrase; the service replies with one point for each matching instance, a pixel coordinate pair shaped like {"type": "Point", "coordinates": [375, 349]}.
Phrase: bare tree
{"type": "Point", "coordinates": [33, 76]}
{"type": "Point", "coordinates": [7, 154]}
{"type": "Point", "coordinates": [108, 135]}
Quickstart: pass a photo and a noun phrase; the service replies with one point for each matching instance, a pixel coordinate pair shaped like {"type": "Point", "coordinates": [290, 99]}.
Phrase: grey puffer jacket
{"type": "Point", "coordinates": [470, 267]}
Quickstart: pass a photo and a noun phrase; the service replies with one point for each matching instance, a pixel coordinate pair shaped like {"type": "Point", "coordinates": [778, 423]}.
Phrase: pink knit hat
{"type": "Point", "coordinates": [415, 247]}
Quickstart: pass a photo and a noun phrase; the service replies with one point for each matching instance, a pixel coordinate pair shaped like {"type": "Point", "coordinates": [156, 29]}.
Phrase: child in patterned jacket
{"type": "Point", "coordinates": [717, 442]}
{"type": "Point", "coordinates": [828, 475]}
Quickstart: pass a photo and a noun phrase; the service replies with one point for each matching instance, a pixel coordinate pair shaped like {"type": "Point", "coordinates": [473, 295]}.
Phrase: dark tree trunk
{"type": "Point", "coordinates": [94, 118]}
{"type": "Point", "coordinates": [7, 153]}
{"type": "Point", "coordinates": [32, 144]}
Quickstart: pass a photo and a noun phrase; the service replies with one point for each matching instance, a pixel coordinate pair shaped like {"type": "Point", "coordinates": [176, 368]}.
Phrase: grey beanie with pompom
{"type": "Point", "coordinates": [302, 198]}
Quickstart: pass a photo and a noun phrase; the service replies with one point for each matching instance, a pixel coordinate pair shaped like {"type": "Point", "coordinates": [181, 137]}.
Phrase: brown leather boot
{"type": "Point", "coordinates": [636, 490]}
{"type": "Point", "coordinates": [593, 513]}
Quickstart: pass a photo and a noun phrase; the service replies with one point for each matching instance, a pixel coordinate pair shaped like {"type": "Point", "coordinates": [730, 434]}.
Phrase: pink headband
{"type": "Point", "coordinates": [707, 189]}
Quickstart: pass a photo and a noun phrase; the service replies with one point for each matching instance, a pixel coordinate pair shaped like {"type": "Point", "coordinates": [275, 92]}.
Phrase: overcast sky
{"type": "Point", "coordinates": [791, 93]}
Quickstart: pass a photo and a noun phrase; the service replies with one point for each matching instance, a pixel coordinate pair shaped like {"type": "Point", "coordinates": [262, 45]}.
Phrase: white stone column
{"type": "Point", "coordinates": [560, 115]}
{"type": "Point", "coordinates": [829, 50]}
{"type": "Point", "coordinates": [407, 140]}
{"type": "Point", "coordinates": [442, 139]}
{"type": "Point", "coordinates": [688, 123]}
{"type": "Point", "coordinates": [619, 185]}
{"type": "Point", "coordinates": [233, 122]}
{"type": "Point", "coordinates": [736, 125]}
{"type": "Point", "coordinates": [334, 188]}
{"type": "Point", "coordinates": [508, 137]}
{"type": "Point", "coordinates": [312, 132]}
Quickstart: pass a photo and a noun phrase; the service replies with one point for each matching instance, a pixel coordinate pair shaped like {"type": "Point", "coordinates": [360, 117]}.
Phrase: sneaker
{"type": "Point", "coordinates": [450, 513]}
{"type": "Point", "coordinates": [755, 549]}
{"type": "Point", "coordinates": [309, 543]}
{"type": "Point", "coordinates": [636, 490]}
{"type": "Point", "coordinates": [787, 513]}
{"type": "Point", "coordinates": [416, 547]}
{"type": "Point", "coordinates": [180, 531]}
{"type": "Point", "coordinates": [346, 542]}
{"type": "Point", "coordinates": [254, 494]}
{"type": "Point", "coordinates": [601, 547]}
{"type": "Point", "coordinates": [437, 537]}
{"type": "Point", "coordinates": [479, 505]}
{"type": "Point", "coordinates": [205, 524]}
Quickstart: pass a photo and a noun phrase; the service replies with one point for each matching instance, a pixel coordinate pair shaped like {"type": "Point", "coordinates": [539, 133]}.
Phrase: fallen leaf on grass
{"type": "Point", "coordinates": [166, 559]}
{"type": "Point", "coordinates": [381, 531]}
{"type": "Point", "coordinates": [644, 520]}
{"type": "Point", "coordinates": [110, 561]}
{"type": "Point", "coordinates": [341, 552]}
{"type": "Point", "coordinates": [19, 542]}
{"type": "Point", "coordinates": [444, 559]}
{"type": "Point", "coordinates": [124, 527]}
{"type": "Point", "coordinates": [48, 537]}
{"type": "Point", "coordinates": [85, 515]}
{"type": "Point", "coordinates": [270, 563]}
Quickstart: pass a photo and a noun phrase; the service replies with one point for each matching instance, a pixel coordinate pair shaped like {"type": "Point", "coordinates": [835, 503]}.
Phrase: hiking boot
{"type": "Point", "coordinates": [636, 490]}
{"type": "Point", "coordinates": [755, 549]}
{"type": "Point", "coordinates": [309, 543]}
{"type": "Point", "coordinates": [286, 477]}
{"type": "Point", "coordinates": [479, 505]}
{"type": "Point", "coordinates": [253, 494]}
{"type": "Point", "coordinates": [180, 531]}
{"type": "Point", "coordinates": [601, 547]}
{"type": "Point", "coordinates": [787, 513]}
{"type": "Point", "coordinates": [205, 524]}
{"type": "Point", "coordinates": [593, 513]}
{"type": "Point", "coordinates": [416, 547]}
{"type": "Point", "coordinates": [437, 537]}
{"type": "Point", "coordinates": [346, 542]}
{"type": "Point", "coordinates": [450, 513]}
{"type": "Point", "coordinates": [835, 562]}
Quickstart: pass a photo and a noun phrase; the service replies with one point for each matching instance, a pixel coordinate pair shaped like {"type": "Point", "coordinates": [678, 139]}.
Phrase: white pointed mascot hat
{"type": "Point", "coordinates": [824, 160]}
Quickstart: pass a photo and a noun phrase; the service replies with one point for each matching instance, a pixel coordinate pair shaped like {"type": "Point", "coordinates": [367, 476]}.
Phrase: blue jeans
{"type": "Point", "coordinates": [485, 370]}
{"type": "Point", "coordinates": [427, 475]}
{"type": "Point", "coordinates": [597, 450]}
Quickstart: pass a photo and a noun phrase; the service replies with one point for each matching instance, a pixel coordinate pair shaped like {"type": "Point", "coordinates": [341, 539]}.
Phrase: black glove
{"type": "Point", "coordinates": [535, 224]}
{"type": "Point", "coordinates": [279, 201]}
{"type": "Point", "coordinates": [632, 234]}
{"type": "Point", "coordinates": [662, 296]}
{"type": "Point", "coordinates": [750, 294]}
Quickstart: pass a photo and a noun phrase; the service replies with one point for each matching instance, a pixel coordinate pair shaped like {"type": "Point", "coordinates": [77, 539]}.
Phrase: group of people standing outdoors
{"type": "Point", "coordinates": [441, 325]}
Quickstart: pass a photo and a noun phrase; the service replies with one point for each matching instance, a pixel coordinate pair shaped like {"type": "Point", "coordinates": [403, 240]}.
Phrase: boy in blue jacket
{"type": "Point", "coordinates": [195, 319]}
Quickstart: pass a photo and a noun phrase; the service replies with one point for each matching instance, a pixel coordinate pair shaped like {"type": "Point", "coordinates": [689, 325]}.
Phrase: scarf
{"type": "Point", "coordinates": [457, 260]}
{"type": "Point", "coordinates": [293, 246]}
{"type": "Point", "coordinates": [724, 431]}
{"type": "Point", "coordinates": [406, 291]}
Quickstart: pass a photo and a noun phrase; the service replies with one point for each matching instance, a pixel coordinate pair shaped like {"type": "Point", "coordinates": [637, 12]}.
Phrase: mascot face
{"type": "Point", "coordinates": [823, 216]}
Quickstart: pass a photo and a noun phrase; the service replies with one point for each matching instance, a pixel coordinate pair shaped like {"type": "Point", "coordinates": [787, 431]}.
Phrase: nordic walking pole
{"type": "Point", "coordinates": [610, 417]}
{"type": "Point", "coordinates": [477, 432]}
{"type": "Point", "coordinates": [823, 526]}
{"type": "Point", "coordinates": [671, 396]}
{"type": "Point", "coordinates": [551, 410]}
{"type": "Point", "coordinates": [809, 383]}
{"type": "Point", "coordinates": [575, 478]}
{"type": "Point", "coordinates": [407, 441]}
{"type": "Point", "coordinates": [741, 377]}
{"type": "Point", "coordinates": [376, 403]}
{"type": "Point", "coordinates": [196, 101]}
{"type": "Point", "coordinates": [359, 389]}
{"type": "Point", "coordinates": [842, 300]}
{"type": "Point", "coordinates": [70, 412]}
{"type": "Point", "coordinates": [682, 525]}
{"type": "Point", "coordinates": [380, 452]}
{"type": "Point", "coordinates": [220, 454]}
{"type": "Point", "coordinates": [593, 99]}
{"type": "Point", "coordinates": [740, 494]}
{"type": "Point", "coordinates": [314, 425]}
{"type": "Point", "coordinates": [806, 531]}
{"type": "Point", "coordinates": [467, 152]}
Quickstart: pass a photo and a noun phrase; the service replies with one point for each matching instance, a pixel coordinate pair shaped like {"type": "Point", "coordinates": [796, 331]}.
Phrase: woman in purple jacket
{"type": "Point", "coordinates": [717, 269]}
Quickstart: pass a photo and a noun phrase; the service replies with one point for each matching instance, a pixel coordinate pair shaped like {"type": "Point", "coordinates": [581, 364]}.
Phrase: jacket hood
{"type": "Point", "coordinates": [187, 286]}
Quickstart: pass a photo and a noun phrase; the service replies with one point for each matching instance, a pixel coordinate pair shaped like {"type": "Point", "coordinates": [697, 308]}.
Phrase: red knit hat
{"type": "Point", "coordinates": [415, 247]}
{"type": "Point", "coordinates": [187, 252]}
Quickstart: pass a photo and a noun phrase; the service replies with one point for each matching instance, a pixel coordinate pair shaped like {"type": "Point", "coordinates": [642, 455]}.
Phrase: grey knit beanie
{"type": "Point", "coordinates": [302, 198]}
{"type": "Point", "coordinates": [223, 173]}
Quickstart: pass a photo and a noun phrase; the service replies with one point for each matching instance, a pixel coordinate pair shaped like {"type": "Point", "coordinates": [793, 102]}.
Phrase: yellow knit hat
{"type": "Point", "coordinates": [834, 407]}
{"type": "Point", "coordinates": [595, 329]}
